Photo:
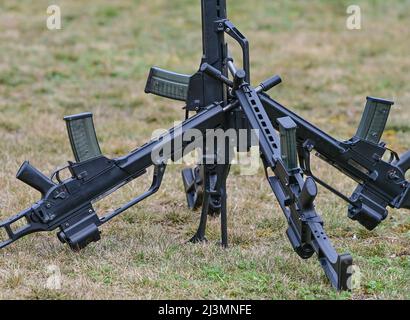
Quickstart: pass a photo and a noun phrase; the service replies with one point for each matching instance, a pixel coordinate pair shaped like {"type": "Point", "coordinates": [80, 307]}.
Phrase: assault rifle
{"type": "Point", "coordinates": [223, 102]}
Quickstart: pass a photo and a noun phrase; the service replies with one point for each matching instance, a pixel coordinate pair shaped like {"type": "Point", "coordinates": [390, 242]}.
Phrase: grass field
{"type": "Point", "coordinates": [99, 61]}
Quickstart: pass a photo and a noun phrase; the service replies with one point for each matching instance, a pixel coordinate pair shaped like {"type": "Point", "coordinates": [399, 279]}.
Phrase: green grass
{"type": "Point", "coordinates": [99, 62]}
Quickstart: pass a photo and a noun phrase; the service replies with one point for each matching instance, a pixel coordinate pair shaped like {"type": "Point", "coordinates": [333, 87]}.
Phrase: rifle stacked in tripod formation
{"type": "Point", "coordinates": [220, 96]}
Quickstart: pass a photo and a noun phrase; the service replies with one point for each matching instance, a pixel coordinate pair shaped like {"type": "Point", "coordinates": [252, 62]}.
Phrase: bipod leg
{"type": "Point", "coordinates": [208, 178]}
{"type": "Point", "coordinates": [224, 213]}
{"type": "Point", "coordinates": [214, 201]}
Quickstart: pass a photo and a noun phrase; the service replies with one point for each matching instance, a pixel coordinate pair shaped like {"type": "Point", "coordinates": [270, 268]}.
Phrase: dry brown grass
{"type": "Point", "coordinates": [99, 62]}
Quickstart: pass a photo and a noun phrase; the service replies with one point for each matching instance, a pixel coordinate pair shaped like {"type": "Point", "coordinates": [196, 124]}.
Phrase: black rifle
{"type": "Point", "coordinates": [224, 103]}
{"type": "Point", "coordinates": [381, 183]}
